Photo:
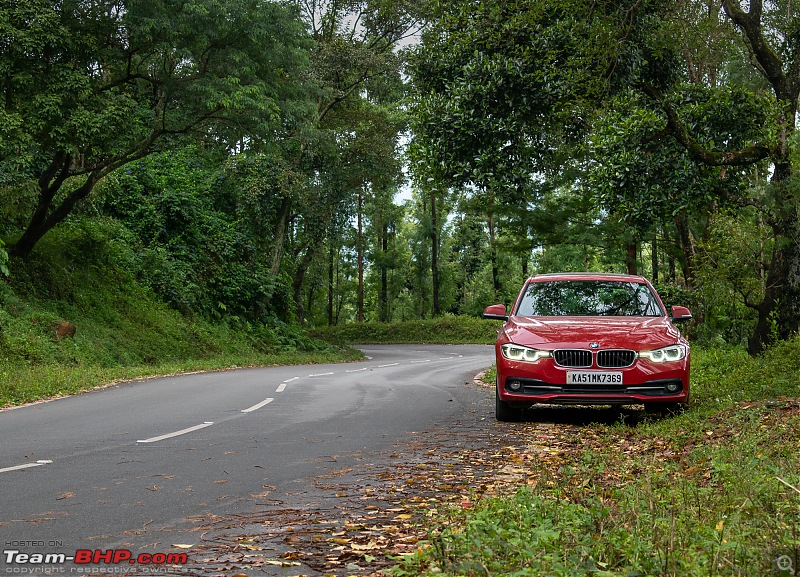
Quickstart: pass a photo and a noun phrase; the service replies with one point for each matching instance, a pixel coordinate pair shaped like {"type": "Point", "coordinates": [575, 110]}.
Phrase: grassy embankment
{"type": "Point", "coordinates": [122, 331]}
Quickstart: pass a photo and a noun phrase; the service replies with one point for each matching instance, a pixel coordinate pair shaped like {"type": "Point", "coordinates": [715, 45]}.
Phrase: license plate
{"type": "Point", "coordinates": [594, 378]}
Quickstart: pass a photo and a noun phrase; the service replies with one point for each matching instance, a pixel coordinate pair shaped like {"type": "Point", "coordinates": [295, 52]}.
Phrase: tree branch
{"type": "Point", "coordinates": [676, 128]}
{"type": "Point", "coordinates": [768, 62]}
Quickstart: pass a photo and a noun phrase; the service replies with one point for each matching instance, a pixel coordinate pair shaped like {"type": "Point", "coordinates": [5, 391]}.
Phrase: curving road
{"type": "Point", "coordinates": [139, 465]}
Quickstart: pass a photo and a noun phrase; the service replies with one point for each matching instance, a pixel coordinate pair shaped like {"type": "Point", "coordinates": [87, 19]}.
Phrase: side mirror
{"type": "Point", "coordinates": [680, 314]}
{"type": "Point", "coordinates": [496, 313]}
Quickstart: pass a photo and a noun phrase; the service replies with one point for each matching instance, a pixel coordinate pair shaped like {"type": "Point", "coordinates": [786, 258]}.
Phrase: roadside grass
{"type": "Point", "coordinates": [714, 490]}
{"type": "Point", "coordinates": [441, 330]}
{"type": "Point", "coordinates": [122, 331]}
{"type": "Point", "coordinates": [29, 383]}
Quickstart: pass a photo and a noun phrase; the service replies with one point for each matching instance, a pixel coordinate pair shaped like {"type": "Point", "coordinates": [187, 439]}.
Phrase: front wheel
{"type": "Point", "coordinates": [505, 412]}
{"type": "Point", "coordinates": [667, 408]}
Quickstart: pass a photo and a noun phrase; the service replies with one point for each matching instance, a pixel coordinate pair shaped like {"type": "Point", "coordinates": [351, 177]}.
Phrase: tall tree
{"type": "Point", "coordinates": [87, 87]}
{"type": "Point", "coordinates": [356, 49]}
{"type": "Point", "coordinates": [547, 68]}
{"type": "Point", "coordinates": [769, 34]}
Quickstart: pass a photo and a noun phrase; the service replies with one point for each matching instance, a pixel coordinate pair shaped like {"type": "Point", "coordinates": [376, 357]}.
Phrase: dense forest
{"type": "Point", "coordinates": [320, 162]}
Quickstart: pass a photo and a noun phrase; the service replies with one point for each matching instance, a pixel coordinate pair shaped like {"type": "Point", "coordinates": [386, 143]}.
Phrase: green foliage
{"type": "Point", "coordinates": [85, 274]}
{"type": "Point", "coordinates": [490, 79]}
{"type": "Point", "coordinates": [3, 260]}
{"type": "Point", "coordinates": [646, 179]}
{"type": "Point", "coordinates": [193, 252]}
{"type": "Point", "coordinates": [729, 275]}
{"type": "Point", "coordinates": [87, 89]}
{"type": "Point", "coordinates": [635, 105]}
{"type": "Point", "coordinates": [440, 330]}
{"type": "Point", "coordinates": [540, 128]}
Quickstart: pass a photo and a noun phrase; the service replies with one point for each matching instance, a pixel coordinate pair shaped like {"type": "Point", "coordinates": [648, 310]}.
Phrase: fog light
{"type": "Point", "coordinates": [673, 387]}
{"type": "Point", "coordinates": [514, 385]}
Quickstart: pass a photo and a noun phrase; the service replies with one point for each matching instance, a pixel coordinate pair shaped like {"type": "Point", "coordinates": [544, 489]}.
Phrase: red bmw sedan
{"type": "Point", "coordinates": [586, 338]}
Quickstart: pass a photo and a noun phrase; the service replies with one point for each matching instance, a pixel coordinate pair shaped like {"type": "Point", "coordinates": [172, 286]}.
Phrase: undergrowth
{"type": "Point", "coordinates": [440, 330]}
{"type": "Point", "coordinates": [122, 330]}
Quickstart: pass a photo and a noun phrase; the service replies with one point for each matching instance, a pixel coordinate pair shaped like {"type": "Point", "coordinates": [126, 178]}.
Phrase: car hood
{"type": "Point", "coordinates": [637, 333]}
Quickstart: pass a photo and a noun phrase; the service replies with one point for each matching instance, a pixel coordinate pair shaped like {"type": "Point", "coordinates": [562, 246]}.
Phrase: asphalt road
{"type": "Point", "coordinates": [140, 465]}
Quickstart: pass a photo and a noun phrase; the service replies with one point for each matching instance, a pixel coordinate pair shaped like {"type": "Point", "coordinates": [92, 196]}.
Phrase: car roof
{"type": "Point", "coordinates": [587, 276]}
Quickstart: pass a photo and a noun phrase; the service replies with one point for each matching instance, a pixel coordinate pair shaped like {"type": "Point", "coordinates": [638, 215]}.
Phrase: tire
{"type": "Point", "coordinates": [504, 412]}
{"type": "Point", "coordinates": [667, 408]}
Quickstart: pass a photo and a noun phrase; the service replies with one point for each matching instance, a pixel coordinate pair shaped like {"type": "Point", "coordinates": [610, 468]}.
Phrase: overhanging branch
{"type": "Point", "coordinates": [677, 129]}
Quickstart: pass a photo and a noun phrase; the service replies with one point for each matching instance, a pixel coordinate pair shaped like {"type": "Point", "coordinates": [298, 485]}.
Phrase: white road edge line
{"type": "Point", "coordinates": [258, 405]}
{"type": "Point", "coordinates": [321, 375]}
{"type": "Point", "coordinates": [281, 388]}
{"type": "Point", "coordinates": [25, 466]}
{"type": "Point", "coordinates": [176, 433]}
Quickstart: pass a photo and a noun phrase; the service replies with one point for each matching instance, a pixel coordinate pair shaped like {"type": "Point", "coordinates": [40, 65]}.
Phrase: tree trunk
{"type": "Point", "coordinates": [654, 258]}
{"type": "Point", "coordinates": [330, 283]}
{"type": "Point", "coordinates": [688, 248]}
{"type": "Point", "coordinates": [360, 257]}
{"type": "Point", "coordinates": [280, 235]}
{"type": "Point", "coordinates": [779, 312]}
{"type": "Point", "coordinates": [630, 258]}
{"type": "Point", "coordinates": [493, 257]}
{"type": "Point", "coordinates": [383, 294]}
{"type": "Point", "coordinates": [43, 219]}
{"type": "Point", "coordinates": [310, 301]}
{"type": "Point", "coordinates": [297, 281]}
{"type": "Point", "coordinates": [435, 257]}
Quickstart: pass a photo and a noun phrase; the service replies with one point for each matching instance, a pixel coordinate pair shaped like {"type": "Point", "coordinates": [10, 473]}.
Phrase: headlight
{"type": "Point", "coordinates": [668, 354]}
{"type": "Point", "coordinates": [519, 353]}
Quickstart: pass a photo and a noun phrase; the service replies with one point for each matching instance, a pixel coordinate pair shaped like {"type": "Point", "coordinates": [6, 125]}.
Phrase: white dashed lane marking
{"type": "Point", "coordinates": [176, 433]}
{"type": "Point", "coordinates": [282, 387]}
{"type": "Point", "coordinates": [258, 405]}
{"type": "Point", "coordinates": [25, 466]}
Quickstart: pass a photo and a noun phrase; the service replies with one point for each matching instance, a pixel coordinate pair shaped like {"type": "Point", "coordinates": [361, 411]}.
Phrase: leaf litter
{"type": "Point", "coordinates": [364, 518]}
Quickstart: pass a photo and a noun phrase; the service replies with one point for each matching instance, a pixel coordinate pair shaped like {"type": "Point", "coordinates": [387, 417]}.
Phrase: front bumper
{"type": "Point", "coordinates": [523, 384]}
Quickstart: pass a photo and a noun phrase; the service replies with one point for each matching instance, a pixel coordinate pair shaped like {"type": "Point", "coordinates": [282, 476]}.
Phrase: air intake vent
{"type": "Point", "coordinates": [618, 359]}
{"type": "Point", "coordinates": [575, 358]}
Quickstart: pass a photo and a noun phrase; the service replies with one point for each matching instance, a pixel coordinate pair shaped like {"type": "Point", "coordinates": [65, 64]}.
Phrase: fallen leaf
{"type": "Point", "coordinates": [279, 563]}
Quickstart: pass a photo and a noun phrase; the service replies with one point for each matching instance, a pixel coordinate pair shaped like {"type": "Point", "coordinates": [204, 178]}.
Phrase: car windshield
{"type": "Point", "coordinates": [588, 298]}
